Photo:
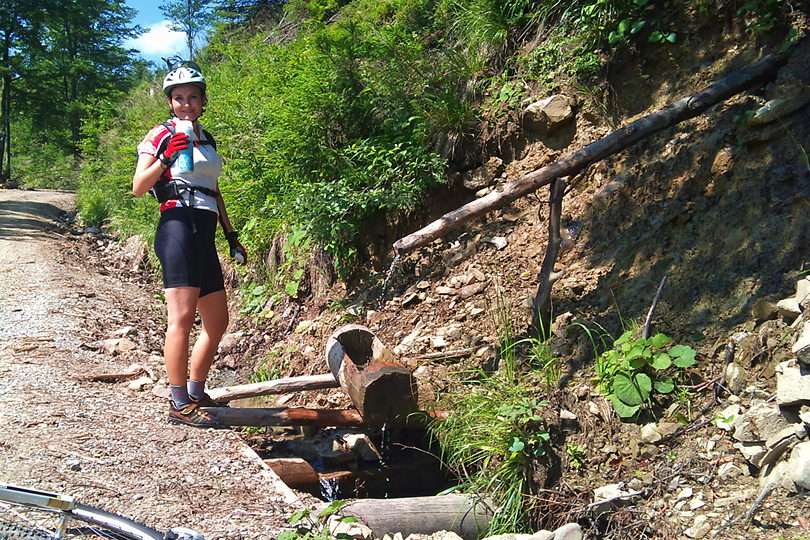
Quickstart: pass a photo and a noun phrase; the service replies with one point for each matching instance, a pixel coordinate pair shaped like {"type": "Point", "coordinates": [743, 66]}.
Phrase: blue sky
{"type": "Point", "coordinates": [158, 41]}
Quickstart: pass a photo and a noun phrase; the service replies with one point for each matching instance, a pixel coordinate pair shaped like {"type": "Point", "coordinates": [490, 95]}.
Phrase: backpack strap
{"type": "Point", "coordinates": [168, 188]}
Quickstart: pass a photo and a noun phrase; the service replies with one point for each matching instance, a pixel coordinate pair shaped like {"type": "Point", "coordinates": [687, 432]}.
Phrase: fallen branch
{"type": "Point", "coordinates": [688, 107]}
{"type": "Point", "coordinates": [286, 385]}
{"type": "Point", "coordinates": [112, 377]}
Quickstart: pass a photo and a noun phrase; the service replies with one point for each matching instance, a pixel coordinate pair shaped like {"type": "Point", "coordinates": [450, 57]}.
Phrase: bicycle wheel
{"type": "Point", "coordinates": [22, 522]}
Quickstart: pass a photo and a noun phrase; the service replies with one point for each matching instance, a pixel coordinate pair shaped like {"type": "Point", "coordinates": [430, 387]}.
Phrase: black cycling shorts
{"type": "Point", "coordinates": [189, 258]}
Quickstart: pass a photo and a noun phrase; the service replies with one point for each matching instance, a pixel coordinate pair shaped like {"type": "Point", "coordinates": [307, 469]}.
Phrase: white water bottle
{"type": "Point", "coordinates": [185, 158]}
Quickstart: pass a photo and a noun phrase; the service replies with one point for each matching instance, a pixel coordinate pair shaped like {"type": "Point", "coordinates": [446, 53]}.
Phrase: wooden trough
{"type": "Point", "coordinates": [381, 389]}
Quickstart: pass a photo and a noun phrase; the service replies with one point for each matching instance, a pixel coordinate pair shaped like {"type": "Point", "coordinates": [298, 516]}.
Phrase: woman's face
{"type": "Point", "coordinates": [187, 101]}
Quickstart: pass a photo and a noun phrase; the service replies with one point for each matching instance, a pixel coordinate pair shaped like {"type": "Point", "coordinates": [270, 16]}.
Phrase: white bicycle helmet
{"type": "Point", "coordinates": [187, 73]}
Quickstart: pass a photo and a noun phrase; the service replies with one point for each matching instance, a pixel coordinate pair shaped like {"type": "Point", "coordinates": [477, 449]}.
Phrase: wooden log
{"type": "Point", "coordinates": [688, 107]}
{"type": "Point", "coordinates": [297, 473]}
{"type": "Point", "coordinates": [286, 385]}
{"type": "Point", "coordinates": [380, 388]}
{"type": "Point", "coordinates": [464, 515]}
{"type": "Point", "coordinates": [299, 416]}
{"type": "Point", "coordinates": [284, 416]}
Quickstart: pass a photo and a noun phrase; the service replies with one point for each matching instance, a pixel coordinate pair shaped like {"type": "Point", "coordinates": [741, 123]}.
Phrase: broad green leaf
{"type": "Point", "coordinates": [661, 361]}
{"type": "Point", "coordinates": [623, 409]}
{"type": "Point", "coordinates": [664, 385]}
{"type": "Point", "coordinates": [644, 384]}
{"type": "Point", "coordinates": [626, 390]}
{"type": "Point", "coordinates": [624, 337]}
{"type": "Point", "coordinates": [660, 340]}
{"type": "Point", "coordinates": [638, 362]}
{"type": "Point", "coordinates": [683, 356]}
{"type": "Point", "coordinates": [516, 445]}
{"type": "Point", "coordinates": [635, 352]}
{"type": "Point", "coordinates": [672, 37]}
{"type": "Point", "coordinates": [638, 26]}
{"type": "Point", "coordinates": [624, 26]}
{"type": "Point", "coordinates": [655, 37]}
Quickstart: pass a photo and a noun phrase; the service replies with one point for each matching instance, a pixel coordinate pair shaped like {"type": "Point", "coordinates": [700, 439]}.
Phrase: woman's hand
{"type": "Point", "coordinates": [178, 141]}
{"type": "Point", "coordinates": [237, 250]}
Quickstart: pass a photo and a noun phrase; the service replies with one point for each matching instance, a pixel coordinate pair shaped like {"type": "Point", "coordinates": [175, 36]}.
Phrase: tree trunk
{"type": "Point", "coordinates": [689, 107]}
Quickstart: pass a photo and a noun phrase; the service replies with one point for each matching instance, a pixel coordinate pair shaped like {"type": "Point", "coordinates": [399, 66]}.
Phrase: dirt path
{"type": "Point", "coordinates": [103, 443]}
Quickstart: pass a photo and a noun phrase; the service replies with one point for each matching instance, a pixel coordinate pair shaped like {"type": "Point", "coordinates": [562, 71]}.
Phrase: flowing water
{"type": "Point", "coordinates": [387, 280]}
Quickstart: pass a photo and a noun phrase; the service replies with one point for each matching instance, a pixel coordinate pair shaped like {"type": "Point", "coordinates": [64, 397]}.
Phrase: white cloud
{"type": "Point", "coordinates": [159, 40]}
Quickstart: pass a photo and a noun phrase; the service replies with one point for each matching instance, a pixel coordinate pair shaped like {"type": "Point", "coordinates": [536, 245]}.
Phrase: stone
{"type": "Point", "coordinates": [789, 308]}
{"type": "Point", "coordinates": [438, 342]}
{"type": "Point", "coordinates": [542, 535]}
{"type": "Point", "coordinates": [360, 445]}
{"type": "Point", "coordinates": [799, 466]}
{"type": "Point", "coordinates": [569, 423]}
{"type": "Point", "coordinates": [803, 292]}
{"type": "Point", "coordinates": [762, 310]}
{"type": "Point", "coordinates": [726, 418]}
{"type": "Point", "coordinates": [700, 527]}
{"type": "Point", "coordinates": [140, 384]}
{"type": "Point", "coordinates": [484, 176]}
{"type": "Point", "coordinates": [801, 348]}
{"type": "Point", "coordinates": [779, 108]}
{"type": "Point", "coordinates": [355, 530]}
{"type": "Point", "coordinates": [735, 378]}
{"type": "Point", "coordinates": [792, 386]}
{"type": "Point", "coordinates": [650, 434]}
{"type": "Point", "coordinates": [498, 241]}
{"type": "Point", "coordinates": [752, 452]}
{"type": "Point", "coordinates": [471, 290]}
{"type": "Point", "coordinates": [569, 531]}
{"type": "Point", "coordinates": [760, 423]}
{"type": "Point", "coordinates": [667, 428]}
{"type": "Point", "coordinates": [728, 471]}
{"type": "Point", "coordinates": [723, 161]}
{"type": "Point", "coordinates": [545, 116]}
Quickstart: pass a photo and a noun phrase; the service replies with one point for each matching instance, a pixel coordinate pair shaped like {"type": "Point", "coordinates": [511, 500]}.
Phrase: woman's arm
{"type": "Point", "coordinates": [147, 173]}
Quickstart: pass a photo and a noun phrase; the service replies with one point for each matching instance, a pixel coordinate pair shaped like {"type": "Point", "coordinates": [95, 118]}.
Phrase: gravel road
{"type": "Point", "coordinates": [101, 442]}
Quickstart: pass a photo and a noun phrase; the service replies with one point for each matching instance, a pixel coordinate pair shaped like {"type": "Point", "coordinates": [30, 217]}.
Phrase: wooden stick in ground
{"type": "Point", "coordinates": [648, 322]}
{"type": "Point", "coordinates": [688, 107]}
{"type": "Point", "coordinates": [287, 385]}
{"type": "Point", "coordinates": [541, 320]}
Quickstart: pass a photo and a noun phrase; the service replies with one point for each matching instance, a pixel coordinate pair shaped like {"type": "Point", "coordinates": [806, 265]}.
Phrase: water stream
{"type": "Point", "coordinates": [387, 280]}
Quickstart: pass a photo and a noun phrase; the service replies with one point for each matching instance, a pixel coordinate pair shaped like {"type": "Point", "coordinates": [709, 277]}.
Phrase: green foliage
{"type": "Point", "coordinates": [762, 16]}
{"type": "Point", "coordinates": [576, 455]}
{"type": "Point", "coordinates": [309, 527]}
{"type": "Point", "coordinates": [636, 367]}
{"type": "Point", "coordinates": [494, 434]}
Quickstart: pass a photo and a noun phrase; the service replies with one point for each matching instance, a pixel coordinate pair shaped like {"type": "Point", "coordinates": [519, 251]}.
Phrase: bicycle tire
{"type": "Point", "coordinates": [23, 522]}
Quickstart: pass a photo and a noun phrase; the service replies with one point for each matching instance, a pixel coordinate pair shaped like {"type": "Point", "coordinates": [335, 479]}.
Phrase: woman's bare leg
{"type": "Point", "coordinates": [213, 310]}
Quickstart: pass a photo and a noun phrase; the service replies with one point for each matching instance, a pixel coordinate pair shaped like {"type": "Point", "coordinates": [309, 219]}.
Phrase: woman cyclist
{"type": "Point", "coordinates": [190, 206]}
